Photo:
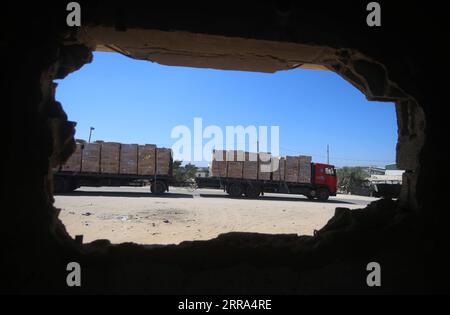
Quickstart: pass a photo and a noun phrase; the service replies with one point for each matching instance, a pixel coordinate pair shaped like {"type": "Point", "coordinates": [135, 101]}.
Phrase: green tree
{"type": "Point", "coordinates": [183, 173]}
{"type": "Point", "coordinates": [351, 179]}
{"type": "Point", "coordinates": [189, 171]}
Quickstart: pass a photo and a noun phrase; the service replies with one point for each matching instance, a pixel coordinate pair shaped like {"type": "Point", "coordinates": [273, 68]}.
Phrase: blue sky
{"type": "Point", "coordinates": [133, 101]}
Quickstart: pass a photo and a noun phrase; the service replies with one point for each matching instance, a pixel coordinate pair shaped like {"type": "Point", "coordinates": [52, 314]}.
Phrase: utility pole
{"type": "Point", "coordinates": [328, 154]}
{"type": "Point", "coordinates": [90, 133]}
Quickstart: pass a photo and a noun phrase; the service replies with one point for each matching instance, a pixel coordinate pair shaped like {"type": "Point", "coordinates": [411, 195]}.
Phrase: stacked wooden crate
{"type": "Point", "coordinates": [109, 157]}
{"type": "Point", "coordinates": [250, 170]}
{"type": "Point", "coordinates": [279, 166]}
{"type": "Point", "coordinates": [163, 161]}
{"type": "Point", "coordinates": [90, 161]}
{"type": "Point", "coordinates": [261, 166]}
{"type": "Point", "coordinates": [147, 159]}
{"type": "Point", "coordinates": [304, 175]}
{"type": "Point", "coordinates": [116, 158]}
{"type": "Point", "coordinates": [73, 164]}
{"type": "Point", "coordinates": [264, 166]}
{"type": "Point", "coordinates": [128, 159]}
{"type": "Point", "coordinates": [235, 163]}
{"type": "Point", "coordinates": [218, 167]}
{"type": "Point", "coordinates": [292, 169]}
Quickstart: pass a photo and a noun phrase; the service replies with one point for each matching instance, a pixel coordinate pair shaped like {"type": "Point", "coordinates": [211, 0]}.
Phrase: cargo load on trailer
{"type": "Point", "coordinates": [251, 174]}
{"type": "Point", "coordinates": [115, 164]}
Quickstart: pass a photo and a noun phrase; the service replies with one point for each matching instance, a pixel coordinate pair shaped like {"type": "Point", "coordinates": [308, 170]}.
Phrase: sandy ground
{"type": "Point", "coordinates": [132, 214]}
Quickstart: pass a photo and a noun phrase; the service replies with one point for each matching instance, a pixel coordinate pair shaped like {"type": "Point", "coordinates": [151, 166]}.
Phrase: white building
{"type": "Point", "coordinates": [391, 176]}
{"type": "Point", "coordinates": [202, 172]}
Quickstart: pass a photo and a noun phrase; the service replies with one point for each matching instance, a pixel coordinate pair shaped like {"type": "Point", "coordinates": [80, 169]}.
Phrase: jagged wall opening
{"type": "Point", "coordinates": [102, 212]}
{"type": "Point", "coordinates": [399, 236]}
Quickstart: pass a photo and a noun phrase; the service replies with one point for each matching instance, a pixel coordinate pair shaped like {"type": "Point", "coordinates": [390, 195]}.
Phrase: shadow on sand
{"type": "Point", "coordinates": [279, 198]}
{"type": "Point", "coordinates": [128, 194]}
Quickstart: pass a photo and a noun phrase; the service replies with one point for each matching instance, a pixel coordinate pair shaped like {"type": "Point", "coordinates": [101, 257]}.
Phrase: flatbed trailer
{"type": "Point", "coordinates": [65, 182]}
{"type": "Point", "coordinates": [322, 186]}
{"type": "Point", "coordinates": [115, 164]}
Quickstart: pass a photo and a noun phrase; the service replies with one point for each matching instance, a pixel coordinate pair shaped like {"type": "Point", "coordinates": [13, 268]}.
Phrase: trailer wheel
{"type": "Point", "coordinates": [252, 192]}
{"type": "Point", "coordinates": [59, 185]}
{"type": "Point", "coordinates": [73, 184]}
{"type": "Point", "coordinates": [158, 187]}
{"type": "Point", "coordinates": [323, 194]}
{"type": "Point", "coordinates": [64, 185]}
{"type": "Point", "coordinates": [235, 190]}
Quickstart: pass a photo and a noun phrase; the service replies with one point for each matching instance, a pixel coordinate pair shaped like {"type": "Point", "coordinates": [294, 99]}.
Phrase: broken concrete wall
{"type": "Point", "coordinates": [390, 64]}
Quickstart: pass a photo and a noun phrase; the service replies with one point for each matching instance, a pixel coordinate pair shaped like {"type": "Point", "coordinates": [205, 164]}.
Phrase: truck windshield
{"type": "Point", "coordinates": [330, 171]}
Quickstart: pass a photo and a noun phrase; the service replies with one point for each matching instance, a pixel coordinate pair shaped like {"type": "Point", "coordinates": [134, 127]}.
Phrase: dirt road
{"type": "Point", "coordinates": [132, 214]}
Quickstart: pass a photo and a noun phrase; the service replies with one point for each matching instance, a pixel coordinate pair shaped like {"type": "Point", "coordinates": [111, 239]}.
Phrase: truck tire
{"type": "Point", "coordinates": [72, 184]}
{"type": "Point", "coordinates": [64, 185]}
{"type": "Point", "coordinates": [158, 187]}
{"type": "Point", "coordinates": [59, 185]}
{"type": "Point", "coordinates": [252, 192]}
{"type": "Point", "coordinates": [235, 190]}
{"type": "Point", "coordinates": [323, 194]}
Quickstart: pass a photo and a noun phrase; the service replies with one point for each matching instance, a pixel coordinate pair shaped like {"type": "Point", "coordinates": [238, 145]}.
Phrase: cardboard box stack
{"type": "Point", "coordinates": [218, 166]}
{"type": "Point", "coordinates": [235, 169]}
{"type": "Point", "coordinates": [163, 158]}
{"type": "Point", "coordinates": [292, 169]}
{"type": "Point", "coordinates": [278, 170]}
{"type": "Point", "coordinates": [73, 164]}
{"type": "Point", "coordinates": [235, 163]}
{"type": "Point", "coordinates": [90, 161]}
{"type": "Point", "coordinates": [147, 159]}
{"type": "Point", "coordinates": [264, 166]}
{"type": "Point", "coordinates": [250, 170]}
{"type": "Point", "coordinates": [109, 157]}
{"type": "Point", "coordinates": [128, 159]}
{"type": "Point", "coordinates": [304, 175]}
{"type": "Point", "coordinates": [116, 158]}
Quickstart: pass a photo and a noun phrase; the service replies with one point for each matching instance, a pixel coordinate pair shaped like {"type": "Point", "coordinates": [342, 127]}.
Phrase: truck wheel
{"type": "Point", "coordinates": [235, 190]}
{"type": "Point", "coordinates": [158, 187]}
{"type": "Point", "coordinates": [59, 185]}
{"type": "Point", "coordinates": [64, 185]}
{"type": "Point", "coordinates": [323, 194]}
{"type": "Point", "coordinates": [72, 185]}
{"type": "Point", "coordinates": [252, 192]}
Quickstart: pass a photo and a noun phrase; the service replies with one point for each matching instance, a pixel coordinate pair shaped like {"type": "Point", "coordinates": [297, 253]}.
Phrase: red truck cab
{"type": "Point", "coordinates": [324, 176]}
